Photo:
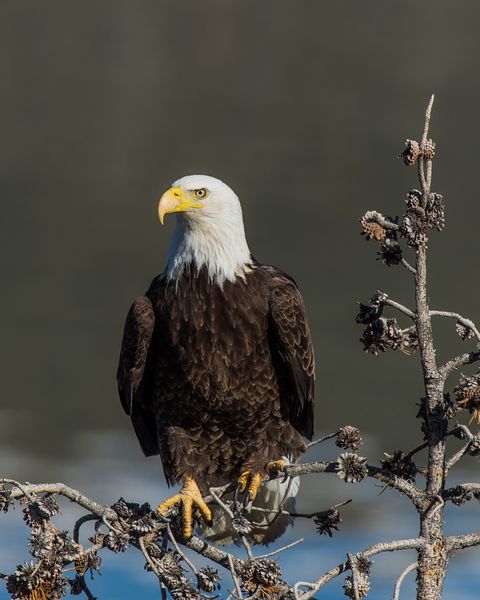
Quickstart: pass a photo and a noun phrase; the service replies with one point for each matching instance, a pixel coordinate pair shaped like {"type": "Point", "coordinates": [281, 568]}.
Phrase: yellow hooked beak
{"type": "Point", "coordinates": [175, 200]}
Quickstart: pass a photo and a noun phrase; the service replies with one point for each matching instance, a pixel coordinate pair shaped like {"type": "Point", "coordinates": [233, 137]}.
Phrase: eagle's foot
{"type": "Point", "coordinates": [188, 498]}
{"type": "Point", "coordinates": [248, 483]}
{"type": "Point", "coordinates": [276, 466]}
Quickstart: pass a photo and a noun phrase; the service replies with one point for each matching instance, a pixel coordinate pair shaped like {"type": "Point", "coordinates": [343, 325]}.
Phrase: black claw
{"type": "Point", "coordinates": [248, 498]}
{"type": "Point", "coordinates": [161, 517]}
{"type": "Point", "coordinates": [235, 498]}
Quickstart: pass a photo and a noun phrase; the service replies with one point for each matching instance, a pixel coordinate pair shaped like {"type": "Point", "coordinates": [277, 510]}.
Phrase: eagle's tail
{"type": "Point", "coordinates": [266, 524]}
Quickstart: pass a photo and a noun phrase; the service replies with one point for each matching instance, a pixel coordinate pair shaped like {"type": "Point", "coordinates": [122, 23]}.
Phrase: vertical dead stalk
{"type": "Point", "coordinates": [432, 560]}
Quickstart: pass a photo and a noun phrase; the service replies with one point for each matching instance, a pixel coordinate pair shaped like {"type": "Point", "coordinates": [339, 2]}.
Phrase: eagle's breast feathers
{"type": "Point", "coordinates": [217, 377]}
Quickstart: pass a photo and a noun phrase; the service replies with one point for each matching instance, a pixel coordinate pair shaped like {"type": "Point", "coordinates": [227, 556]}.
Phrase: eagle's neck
{"type": "Point", "coordinates": [222, 250]}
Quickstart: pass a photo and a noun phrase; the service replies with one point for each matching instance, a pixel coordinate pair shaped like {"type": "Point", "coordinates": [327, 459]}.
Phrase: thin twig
{"type": "Point", "coordinates": [193, 568]}
{"type": "Point", "coordinates": [148, 558]}
{"type": "Point", "coordinates": [398, 584]}
{"type": "Point", "coordinates": [282, 549]}
{"type": "Point", "coordinates": [221, 503]}
{"type": "Point", "coordinates": [79, 523]}
{"type": "Point", "coordinates": [465, 322]}
{"type": "Point", "coordinates": [403, 309]}
{"type": "Point", "coordinates": [408, 266]}
{"type": "Point", "coordinates": [301, 515]}
{"type": "Point", "coordinates": [456, 457]}
{"type": "Point", "coordinates": [322, 439]}
{"type": "Point", "coordinates": [235, 578]}
{"type": "Point", "coordinates": [436, 506]}
{"type": "Point", "coordinates": [18, 485]}
{"type": "Point", "coordinates": [459, 361]}
{"type": "Point", "coordinates": [411, 544]}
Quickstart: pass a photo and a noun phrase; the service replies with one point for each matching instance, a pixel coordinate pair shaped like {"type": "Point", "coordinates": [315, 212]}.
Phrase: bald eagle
{"type": "Point", "coordinates": [216, 367]}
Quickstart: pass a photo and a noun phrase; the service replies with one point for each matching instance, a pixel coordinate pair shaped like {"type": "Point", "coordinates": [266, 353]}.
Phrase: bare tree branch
{"type": "Point", "coordinates": [411, 544]}
{"type": "Point", "coordinates": [465, 322]}
{"type": "Point", "coordinates": [398, 584]}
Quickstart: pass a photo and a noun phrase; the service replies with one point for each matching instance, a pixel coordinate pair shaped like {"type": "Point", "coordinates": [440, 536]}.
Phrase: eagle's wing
{"type": "Point", "coordinates": [132, 373]}
{"type": "Point", "coordinates": [292, 348]}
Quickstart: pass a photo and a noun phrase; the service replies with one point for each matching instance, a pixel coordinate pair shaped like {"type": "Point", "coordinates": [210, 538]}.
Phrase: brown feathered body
{"type": "Point", "coordinates": [218, 379]}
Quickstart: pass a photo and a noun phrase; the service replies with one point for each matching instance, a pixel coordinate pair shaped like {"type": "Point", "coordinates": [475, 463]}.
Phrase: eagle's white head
{"type": "Point", "coordinates": [209, 229]}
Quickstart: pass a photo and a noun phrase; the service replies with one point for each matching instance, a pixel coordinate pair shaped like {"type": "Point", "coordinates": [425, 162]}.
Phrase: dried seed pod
{"type": "Point", "coordinates": [390, 252]}
{"type": "Point", "coordinates": [399, 464]}
{"type": "Point", "coordinates": [428, 150]}
{"type": "Point", "coordinates": [463, 331]}
{"type": "Point", "coordinates": [26, 579]}
{"type": "Point", "coordinates": [373, 231]}
{"type": "Point", "coordinates": [40, 510]}
{"type": "Point", "coordinates": [467, 395]}
{"type": "Point", "coordinates": [411, 152]}
{"type": "Point", "coordinates": [351, 467]}
{"type": "Point", "coordinates": [328, 522]}
{"type": "Point", "coordinates": [261, 578]}
{"type": "Point", "coordinates": [459, 495]}
{"type": "Point", "coordinates": [241, 524]}
{"type": "Point", "coordinates": [348, 437]}
{"type": "Point", "coordinates": [117, 541]}
{"type": "Point", "coordinates": [207, 579]}
{"type": "Point", "coordinates": [363, 586]}
{"type": "Point", "coordinates": [40, 542]}
{"type": "Point", "coordinates": [373, 310]}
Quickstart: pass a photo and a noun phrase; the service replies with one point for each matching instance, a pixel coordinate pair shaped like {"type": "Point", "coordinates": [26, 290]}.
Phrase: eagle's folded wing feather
{"type": "Point", "coordinates": [132, 373]}
{"type": "Point", "coordinates": [293, 345]}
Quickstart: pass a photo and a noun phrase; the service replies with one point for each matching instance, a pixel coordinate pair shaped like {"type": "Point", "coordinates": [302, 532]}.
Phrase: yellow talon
{"type": "Point", "coordinates": [250, 482]}
{"type": "Point", "coordinates": [277, 465]}
{"type": "Point", "coordinates": [188, 497]}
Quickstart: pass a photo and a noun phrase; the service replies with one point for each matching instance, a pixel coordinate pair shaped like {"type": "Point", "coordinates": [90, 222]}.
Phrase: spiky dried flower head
{"type": "Point", "coordinates": [352, 468]}
{"type": "Point", "coordinates": [401, 465]}
{"type": "Point", "coordinates": [428, 149]}
{"type": "Point", "coordinates": [364, 564]}
{"type": "Point", "coordinates": [4, 499]}
{"type": "Point", "coordinates": [122, 508]}
{"type": "Point", "coordinates": [384, 334]}
{"type": "Point", "coordinates": [88, 562]}
{"type": "Point", "coordinates": [411, 152]}
{"type": "Point", "coordinates": [40, 510]}
{"type": "Point", "coordinates": [363, 586]}
{"type": "Point", "coordinates": [207, 579]}
{"type": "Point", "coordinates": [41, 542]}
{"type": "Point", "coordinates": [467, 395]}
{"type": "Point", "coordinates": [464, 331]}
{"type": "Point", "coordinates": [328, 521]}
{"type": "Point", "coordinates": [25, 581]}
{"type": "Point", "coordinates": [390, 252]}
{"type": "Point", "coordinates": [117, 541]}
{"type": "Point", "coordinates": [261, 578]}
{"type": "Point", "coordinates": [348, 437]}
{"type": "Point", "coordinates": [373, 310]}
{"type": "Point", "coordinates": [170, 564]}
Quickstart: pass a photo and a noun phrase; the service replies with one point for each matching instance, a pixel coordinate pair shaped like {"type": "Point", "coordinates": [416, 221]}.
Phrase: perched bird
{"type": "Point", "coordinates": [216, 367]}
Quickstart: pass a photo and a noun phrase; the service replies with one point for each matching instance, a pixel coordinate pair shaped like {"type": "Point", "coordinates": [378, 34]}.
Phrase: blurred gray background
{"type": "Point", "coordinates": [302, 106]}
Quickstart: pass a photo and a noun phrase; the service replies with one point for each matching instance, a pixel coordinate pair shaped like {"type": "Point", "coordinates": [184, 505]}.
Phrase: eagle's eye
{"type": "Point", "coordinates": [200, 193]}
